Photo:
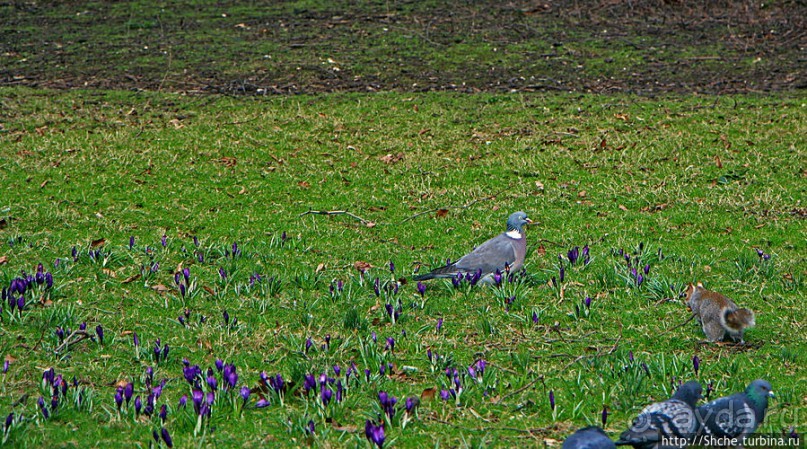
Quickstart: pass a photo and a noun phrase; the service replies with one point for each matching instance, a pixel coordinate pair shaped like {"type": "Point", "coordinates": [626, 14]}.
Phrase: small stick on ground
{"type": "Point", "coordinates": [466, 206]}
{"type": "Point", "coordinates": [520, 390]}
{"type": "Point", "coordinates": [336, 212]}
{"type": "Point", "coordinates": [678, 325]}
{"type": "Point", "coordinates": [82, 335]}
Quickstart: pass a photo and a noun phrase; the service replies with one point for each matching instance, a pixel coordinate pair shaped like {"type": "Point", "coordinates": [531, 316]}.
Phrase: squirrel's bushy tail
{"type": "Point", "coordinates": [739, 319]}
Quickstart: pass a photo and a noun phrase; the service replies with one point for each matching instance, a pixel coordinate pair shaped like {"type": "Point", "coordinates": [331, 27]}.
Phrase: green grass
{"type": "Point", "coordinates": [612, 172]}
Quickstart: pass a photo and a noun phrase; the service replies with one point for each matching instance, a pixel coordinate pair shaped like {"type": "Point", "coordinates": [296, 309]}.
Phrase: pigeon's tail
{"type": "Point", "coordinates": [646, 439]}
{"type": "Point", "coordinates": [442, 272]}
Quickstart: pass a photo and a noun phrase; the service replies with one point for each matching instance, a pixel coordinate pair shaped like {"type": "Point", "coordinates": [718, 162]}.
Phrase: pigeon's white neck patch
{"type": "Point", "coordinates": [514, 234]}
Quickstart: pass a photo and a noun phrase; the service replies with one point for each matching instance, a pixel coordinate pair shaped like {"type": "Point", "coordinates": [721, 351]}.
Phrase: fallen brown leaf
{"type": "Point", "coordinates": [97, 243]}
{"type": "Point", "coordinates": [304, 184]}
{"type": "Point", "coordinates": [392, 158]}
{"type": "Point", "coordinates": [623, 208]}
{"type": "Point", "coordinates": [428, 393]}
{"type": "Point", "coordinates": [3, 259]}
{"type": "Point", "coordinates": [160, 288]}
{"type": "Point", "coordinates": [362, 266]}
{"type": "Point", "coordinates": [320, 267]}
{"type": "Point", "coordinates": [582, 194]}
{"type": "Point", "coordinates": [209, 290]}
{"type": "Point", "coordinates": [718, 162]}
{"type": "Point", "coordinates": [109, 273]}
{"type": "Point", "coordinates": [441, 213]}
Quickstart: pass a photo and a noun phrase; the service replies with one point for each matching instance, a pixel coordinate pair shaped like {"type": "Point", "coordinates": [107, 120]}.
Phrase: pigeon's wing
{"type": "Point", "coordinates": [490, 256]}
{"type": "Point", "coordinates": [672, 418]}
{"type": "Point", "coordinates": [731, 416]}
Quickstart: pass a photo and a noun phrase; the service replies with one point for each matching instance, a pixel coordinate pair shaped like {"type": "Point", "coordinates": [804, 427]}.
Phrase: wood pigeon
{"type": "Point", "coordinates": [591, 437]}
{"type": "Point", "coordinates": [672, 421]}
{"type": "Point", "coordinates": [738, 415]}
{"type": "Point", "coordinates": [503, 253]}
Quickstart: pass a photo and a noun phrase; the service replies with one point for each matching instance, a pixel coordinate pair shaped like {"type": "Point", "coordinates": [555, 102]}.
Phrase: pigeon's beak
{"type": "Point", "coordinates": [528, 220]}
{"type": "Point", "coordinates": [770, 393]}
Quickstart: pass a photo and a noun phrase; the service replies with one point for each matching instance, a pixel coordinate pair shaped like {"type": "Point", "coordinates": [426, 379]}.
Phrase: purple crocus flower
{"type": "Point", "coordinates": [230, 376]}
{"type": "Point", "coordinates": [639, 280]}
{"type": "Point", "coordinates": [387, 402]}
{"type": "Point", "coordinates": [131, 241]}
{"type": "Point", "coordinates": [21, 303]}
{"type": "Point", "coordinates": [212, 383]}
{"type": "Point", "coordinates": [128, 391]}
{"type": "Point", "coordinates": [166, 437]}
{"type": "Point", "coordinates": [421, 287]}
{"type": "Point", "coordinates": [164, 240]}
{"type": "Point", "coordinates": [630, 356]}
{"type": "Point", "coordinates": [552, 399]}
{"type": "Point", "coordinates": [59, 333]}
{"type": "Point", "coordinates": [766, 257]}
{"type": "Point", "coordinates": [325, 394]}
{"type": "Point", "coordinates": [587, 302]}
{"type": "Point", "coordinates": [340, 391]}
{"type": "Point", "coordinates": [336, 370]}
{"type": "Point", "coordinates": [481, 365]}
{"type": "Point", "coordinates": [210, 398]}
{"type": "Point", "coordinates": [183, 401]}
{"type": "Point", "coordinates": [411, 403]}
{"type": "Point", "coordinates": [497, 277]}
{"type": "Point", "coordinates": [99, 331]}
{"type": "Point", "coordinates": [328, 341]}
{"type": "Point", "coordinates": [561, 274]}
{"type": "Point", "coordinates": [163, 413]}
{"type": "Point", "coordinates": [138, 404]}
{"type": "Point", "coordinates": [340, 285]}
{"type": "Point", "coordinates": [647, 269]}
{"type": "Point", "coordinates": [191, 372]}
{"type": "Point", "coordinates": [456, 281]}
{"type": "Point", "coordinates": [236, 251]}
{"type": "Point", "coordinates": [181, 320]}
{"type": "Point", "coordinates": [604, 416]}
{"type": "Point", "coordinates": [244, 393]}
{"type": "Point", "coordinates": [309, 383]}
{"type": "Point", "coordinates": [222, 273]}
{"type": "Point", "coordinates": [696, 364]}
{"type": "Point", "coordinates": [308, 344]}
{"type": "Point", "coordinates": [118, 398]}
{"type": "Point", "coordinates": [226, 317]}
{"type": "Point", "coordinates": [709, 389]}
{"type": "Point", "coordinates": [391, 267]}
{"type": "Point", "coordinates": [646, 368]}
{"type": "Point", "coordinates": [377, 287]}
{"type": "Point", "coordinates": [74, 253]}
{"type": "Point", "coordinates": [390, 343]}
{"type": "Point", "coordinates": [439, 324]}
{"type": "Point", "coordinates": [367, 374]}
{"type": "Point", "coordinates": [156, 436]}
{"type": "Point", "coordinates": [43, 407]}
{"type": "Point", "coordinates": [374, 433]}
{"type": "Point", "coordinates": [534, 317]}
{"type": "Point", "coordinates": [573, 254]}
{"type": "Point", "coordinates": [135, 339]}
{"type": "Point", "coordinates": [310, 428]}
{"type": "Point", "coordinates": [445, 395]}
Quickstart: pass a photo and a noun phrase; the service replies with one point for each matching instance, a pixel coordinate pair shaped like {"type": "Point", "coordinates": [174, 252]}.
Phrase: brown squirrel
{"type": "Point", "coordinates": [717, 313]}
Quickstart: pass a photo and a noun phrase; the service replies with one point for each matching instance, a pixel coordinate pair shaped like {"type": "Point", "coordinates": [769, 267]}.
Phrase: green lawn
{"type": "Point", "coordinates": [691, 185]}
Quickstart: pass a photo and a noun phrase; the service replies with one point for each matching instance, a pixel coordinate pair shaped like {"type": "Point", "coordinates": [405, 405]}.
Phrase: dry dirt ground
{"type": "Point", "coordinates": [642, 46]}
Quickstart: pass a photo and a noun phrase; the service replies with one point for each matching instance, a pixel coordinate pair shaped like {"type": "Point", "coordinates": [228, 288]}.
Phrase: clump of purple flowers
{"type": "Point", "coordinates": [374, 433]}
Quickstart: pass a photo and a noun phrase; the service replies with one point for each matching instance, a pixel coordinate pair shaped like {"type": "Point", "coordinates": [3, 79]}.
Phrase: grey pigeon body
{"type": "Point", "coordinates": [669, 424]}
{"type": "Point", "coordinates": [591, 437]}
{"type": "Point", "coordinates": [502, 253]}
{"type": "Point", "coordinates": [738, 415]}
